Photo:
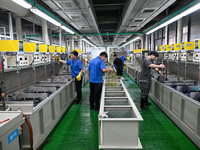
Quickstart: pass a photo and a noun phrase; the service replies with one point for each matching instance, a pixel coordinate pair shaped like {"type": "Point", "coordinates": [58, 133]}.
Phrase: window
{"type": "Point", "coordinates": [159, 37]}
{"type": "Point", "coordinates": [172, 33]}
{"type": "Point", "coordinates": [195, 26]}
{"type": "Point", "coordinates": [185, 29]}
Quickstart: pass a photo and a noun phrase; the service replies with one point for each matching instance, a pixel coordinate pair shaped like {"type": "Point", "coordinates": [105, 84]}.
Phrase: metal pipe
{"type": "Point", "coordinates": [4, 31]}
{"type": "Point", "coordinates": [10, 25]}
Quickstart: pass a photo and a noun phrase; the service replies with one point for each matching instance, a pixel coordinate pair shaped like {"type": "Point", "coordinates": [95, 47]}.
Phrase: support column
{"type": "Point", "coordinates": [71, 44]}
{"type": "Point", "coordinates": [19, 27]}
{"type": "Point", "coordinates": [180, 30]}
{"type": "Point", "coordinates": [45, 32]}
{"type": "Point", "coordinates": [60, 36]}
{"type": "Point", "coordinates": [147, 42]}
{"type": "Point", "coordinates": [166, 35]}
{"type": "Point", "coordinates": [152, 42]}
{"type": "Point", "coordinates": [10, 25]}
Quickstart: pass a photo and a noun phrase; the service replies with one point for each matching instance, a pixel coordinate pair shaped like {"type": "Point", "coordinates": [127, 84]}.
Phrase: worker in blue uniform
{"type": "Point", "coordinates": [95, 73]}
{"type": "Point", "coordinates": [123, 58]}
{"type": "Point", "coordinates": [76, 70]}
{"type": "Point", "coordinates": [145, 77]}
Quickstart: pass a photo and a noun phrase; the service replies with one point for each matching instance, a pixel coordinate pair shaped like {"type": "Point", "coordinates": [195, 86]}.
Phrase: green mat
{"type": "Point", "coordinates": [78, 128]}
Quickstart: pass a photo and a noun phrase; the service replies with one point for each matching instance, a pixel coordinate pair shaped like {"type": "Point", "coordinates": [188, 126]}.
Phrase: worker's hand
{"type": "Point", "coordinates": [162, 66]}
{"type": "Point", "coordinates": [111, 69]}
{"type": "Point", "coordinates": [160, 73]}
{"type": "Point", "coordinates": [59, 60]}
{"type": "Point", "coordinates": [78, 77]}
{"type": "Point", "coordinates": [124, 67]}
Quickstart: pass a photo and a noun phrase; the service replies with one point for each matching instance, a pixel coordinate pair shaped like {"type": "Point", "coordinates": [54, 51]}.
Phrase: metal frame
{"type": "Point", "coordinates": [118, 127]}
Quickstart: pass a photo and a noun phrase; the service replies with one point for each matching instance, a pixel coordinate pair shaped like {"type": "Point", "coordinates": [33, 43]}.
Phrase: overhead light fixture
{"type": "Point", "coordinates": [45, 16]}
{"type": "Point", "coordinates": [184, 13]}
{"type": "Point", "coordinates": [8, 37]}
{"type": "Point", "coordinates": [89, 43]}
{"type": "Point", "coordinates": [34, 41]}
{"type": "Point", "coordinates": [137, 38]}
{"type": "Point", "coordinates": [67, 29]}
{"type": "Point", "coordinates": [23, 3]}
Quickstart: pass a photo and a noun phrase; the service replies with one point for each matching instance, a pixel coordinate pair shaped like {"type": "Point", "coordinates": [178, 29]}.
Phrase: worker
{"type": "Point", "coordinates": [123, 58]}
{"type": "Point", "coordinates": [76, 70]}
{"type": "Point", "coordinates": [145, 77]}
{"type": "Point", "coordinates": [119, 65]}
{"type": "Point", "coordinates": [95, 72]}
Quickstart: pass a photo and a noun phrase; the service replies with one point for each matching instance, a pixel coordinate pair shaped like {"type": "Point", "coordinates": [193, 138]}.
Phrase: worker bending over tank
{"type": "Point", "coordinates": [95, 73]}
{"type": "Point", "coordinates": [76, 70]}
{"type": "Point", "coordinates": [145, 77]}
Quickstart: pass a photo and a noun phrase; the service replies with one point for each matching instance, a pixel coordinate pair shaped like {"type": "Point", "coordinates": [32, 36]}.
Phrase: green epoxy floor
{"type": "Point", "coordinates": [78, 128]}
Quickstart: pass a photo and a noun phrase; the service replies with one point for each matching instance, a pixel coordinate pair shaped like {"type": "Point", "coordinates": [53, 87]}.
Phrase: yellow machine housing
{"type": "Point", "coordinates": [43, 48]}
{"type": "Point", "coordinates": [11, 46]}
{"type": "Point", "coordinates": [178, 47]}
{"type": "Point", "coordinates": [58, 49]}
{"type": "Point", "coordinates": [162, 48]}
{"type": "Point", "coordinates": [189, 45]}
{"type": "Point", "coordinates": [63, 50]}
{"type": "Point", "coordinates": [31, 47]}
{"type": "Point", "coordinates": [52, 49]}
{"type": "Point", "coordinates": [168, 47]}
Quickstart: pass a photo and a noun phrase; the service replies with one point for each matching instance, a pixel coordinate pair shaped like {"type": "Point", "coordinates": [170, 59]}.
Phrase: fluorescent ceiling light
{"type": "Point", "coordinates": [45, 16]}
{"type": "Point", "coordinates": [67, 29]}
{"type": "Point", "coordinates": [89, 43]}
{"type": "Point", "coordinates": [23, 3]}
{"type": "Point", "coordinates": [35, 41]}
{"type": "Point", "coordinates": [184, 13]}
{"type": "Point", "coordinates": [137, 38]}
{"type": "Point", "coordinates": [8, 37]}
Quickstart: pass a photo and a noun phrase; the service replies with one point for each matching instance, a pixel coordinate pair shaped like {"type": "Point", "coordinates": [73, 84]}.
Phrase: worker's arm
{"type": "Point", "coordinates": [157, 66]}
{"type": "Point", "coordinates": [88, 75]}
{"type": "Point", "coordinates": [62, 61]}
{"type": "Point", "coordinates": [112, 66]}
{"type": "Point", "coordinates": [158, 71]}
{"type": "Point", "coordinates": [107, 69]}
{"type": "Point", "coordinates": [81, 71]}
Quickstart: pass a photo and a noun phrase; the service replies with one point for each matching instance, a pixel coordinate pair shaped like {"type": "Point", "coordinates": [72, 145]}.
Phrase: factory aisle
{"type": "Point", "coordinates": [78, 128]}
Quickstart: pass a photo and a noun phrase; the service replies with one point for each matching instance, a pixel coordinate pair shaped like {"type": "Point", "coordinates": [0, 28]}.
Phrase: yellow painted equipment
{"type": "Point", "coordinates": [178, 47]}
{"type": "Point", "coordinates": [162, 48]}
{"type": "Point", "coordinates": [128, 58]}
{"type": "Point", "coordinates": [11, 46]}
{"type": "Point", "coordinates": [189, 45]}
{"type": "Point", "coordinates": [30, 47]}
{"type": "Point", "coordinates": [78, 50]}
{"type": "Point", "coordinates": [63, 50]}
{"type": "Point", "coordinates": [58, 49]}
{"type": "Point", "coordinates": [168, 47]}
{"type": "Point", "coordinates": [52, 49]}
{"type": "Point", "coordinates": [43, 48]}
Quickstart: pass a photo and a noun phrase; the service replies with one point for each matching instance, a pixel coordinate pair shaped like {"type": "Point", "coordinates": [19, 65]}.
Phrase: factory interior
{"type": "Point", "coordinates": [39, 40]}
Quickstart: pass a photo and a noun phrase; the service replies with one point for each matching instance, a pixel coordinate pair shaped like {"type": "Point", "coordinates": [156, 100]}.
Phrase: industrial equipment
{"type": "Point", "coordinates": [118, 118]}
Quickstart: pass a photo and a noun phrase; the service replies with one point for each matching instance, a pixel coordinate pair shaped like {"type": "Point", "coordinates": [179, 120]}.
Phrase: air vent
{"type": "Point", "coordinates": [76, 17]}
{"type": "Point", "coordinates": [148, 10]}
{"type": "Point", "coordinates": [133, 26]}
{"type": "Point", "coordinates": [69, 4]}
{"type": "Point", "coordinates": [138, 20]}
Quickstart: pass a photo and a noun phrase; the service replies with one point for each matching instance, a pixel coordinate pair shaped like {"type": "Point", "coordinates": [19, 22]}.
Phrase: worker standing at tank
{"type": "Point", "coordinates": [95, 73]}
{"type": "Point", "coordinates": [145, 77]}
{"type": "Point", "coordinates": [123, 58]}
{"type": "Point", "coordinates": [119, 65]}
{"type": "Point", "coordinates": [76, 70]}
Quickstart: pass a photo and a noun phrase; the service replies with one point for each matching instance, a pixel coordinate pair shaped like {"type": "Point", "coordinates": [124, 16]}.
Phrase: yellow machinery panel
{"type": "Point", "coordinates": [162, 48]}
{"type": "Point", "coordinates": [43, 48]}
{"type": "Point", "coordinates": [78, 50]}
{"type": "Point", "coordinates": [31, 47]}
{"type": "Point", "coordinates": [63, 50]}
{"type": "Point", "coordinates": [178, 47]}
{"type": "Point", "coordinates": [52, 49]}
{"type": "Point", "coordinates": [11, 46]}
{"type": "Point", "coordinates": [128, 58]}
{"type": "Point", "coordinates": [58, 49]}
{"type": "Point", "coordinates": [168, 47]}
{"type": "Point", "coordinates": [189, 45]}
